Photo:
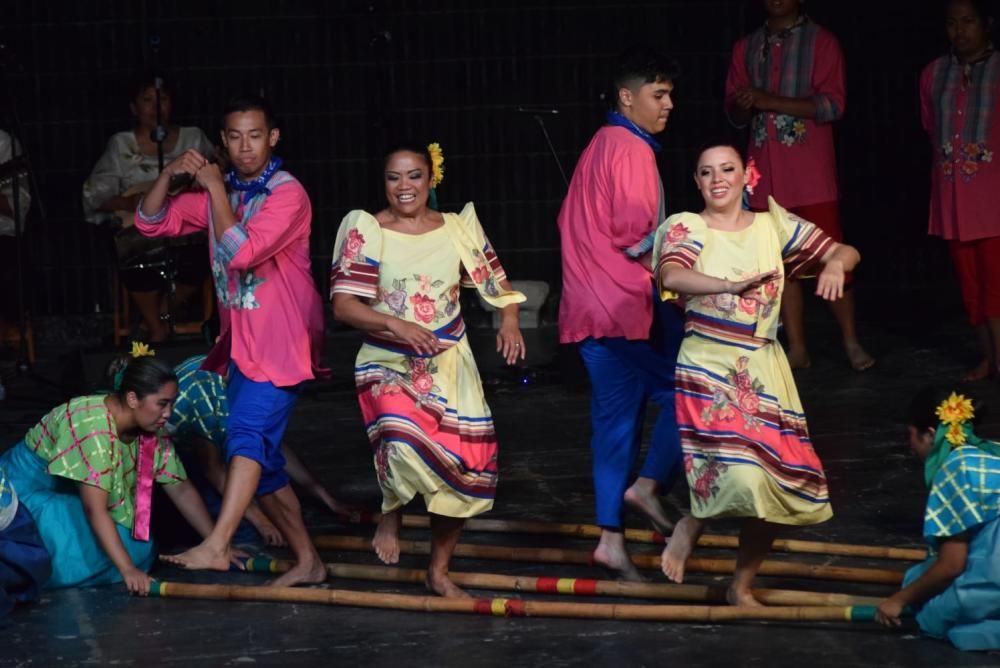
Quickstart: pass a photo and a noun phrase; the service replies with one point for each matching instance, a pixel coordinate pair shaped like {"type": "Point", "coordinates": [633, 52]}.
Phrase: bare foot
{"type": "Point", "coordinates": [798, 358]}
{"type": "Point", "coordinates": [981, 371]}
{"type": "Point", "coordinates": [742, 597]}
{"type": "Point", "coordinates": [679, 547]}
{"type": "Point", "coordinates": [441, 584]}
{"type": "Point", "coordinates": [304, 572]}
{"type": "Point", "coordinates": [859, 359]}
{"type": "Point", "coordinates": [386, 541]}
{"type": "Point", "coordinates": [200, 558]}
{"type": "Point", "coordinates": [649, 506]}
{"type": "Point", "coordinates": [617, 561]}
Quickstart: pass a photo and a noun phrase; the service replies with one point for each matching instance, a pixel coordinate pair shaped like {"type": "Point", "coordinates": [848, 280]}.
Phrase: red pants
{"type": "Point", "coordinates": [825, 216]}
{"type": "Point", "coordinates": [977, 264]}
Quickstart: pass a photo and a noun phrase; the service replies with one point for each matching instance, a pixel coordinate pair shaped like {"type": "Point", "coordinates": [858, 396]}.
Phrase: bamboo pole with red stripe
{"type": "Point", "coordinates": [572, 586]}
{"type": "Point", "coordinates": [646, 536]}
{"type": "Point", "coordinates": [553, 555]}
{"type": "Point", "coordinates": [503, 607]}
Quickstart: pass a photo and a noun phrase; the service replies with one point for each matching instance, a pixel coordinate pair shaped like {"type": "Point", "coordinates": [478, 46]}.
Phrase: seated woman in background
{"type": "Point", "coordinates": [124, 172]}
{"type": "Point", "coordinates": [85, 472]}
{"type": "Point", "coordinates": [956, 590]}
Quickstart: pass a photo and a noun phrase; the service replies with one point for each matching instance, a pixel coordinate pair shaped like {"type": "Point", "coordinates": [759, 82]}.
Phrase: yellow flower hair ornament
{"type": "Point", "coordinates": [140, 349]}
{"type": "Point", "coordinates": [956, 429]}
{"type": "Point", "coordinates": [437, 164]}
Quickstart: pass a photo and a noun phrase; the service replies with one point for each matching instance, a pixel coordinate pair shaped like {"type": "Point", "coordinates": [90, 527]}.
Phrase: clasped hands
{"type": "Point", "coordinates": [192, 162]}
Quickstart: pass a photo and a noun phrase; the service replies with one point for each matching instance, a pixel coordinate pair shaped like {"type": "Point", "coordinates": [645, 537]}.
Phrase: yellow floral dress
{"type": "Point", "coordinates": [426, 416]}
{"type": "Point", "coordinates": [747, 451]}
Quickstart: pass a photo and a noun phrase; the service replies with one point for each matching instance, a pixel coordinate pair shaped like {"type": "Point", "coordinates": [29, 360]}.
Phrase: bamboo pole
{"type": "Point", "coordinates": [503, 607]}
{"type": "Point", "coordinates": [651, 561]}
{"type": "Point", "coordinates": [646, 536]}
{"type": "Point", "coordinates": [574, 586]}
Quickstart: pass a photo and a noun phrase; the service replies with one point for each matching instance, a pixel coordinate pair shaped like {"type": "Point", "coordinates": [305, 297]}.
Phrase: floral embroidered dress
{"type": "Point", "coordinates": [77, 443]}
{"type": "Point", "coordinates": [425, 415]}
{"type": "Point", "coordinates": [747, 451]}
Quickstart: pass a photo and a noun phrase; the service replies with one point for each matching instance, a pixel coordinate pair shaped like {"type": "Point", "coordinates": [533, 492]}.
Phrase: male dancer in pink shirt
{"type": "Point", "coordinates": [615, 201]}
{"type": "Point", "coordinates": [258, 220]}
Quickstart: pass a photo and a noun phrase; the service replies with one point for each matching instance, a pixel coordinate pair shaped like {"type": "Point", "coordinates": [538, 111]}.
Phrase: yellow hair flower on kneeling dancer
{"type": "Point", "coordinates": [955, 410]}
{"type": "Point", "coordinates": [955, 434]}
{"type": "Point", "coordinates": [140, 349]}
{"type": "Point", "coordinates": [437, 164]}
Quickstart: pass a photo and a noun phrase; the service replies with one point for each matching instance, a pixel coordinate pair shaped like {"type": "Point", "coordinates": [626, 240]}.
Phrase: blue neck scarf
{"type": "Point", "coordinates": [250, 189]}
{"type": "Point", "coordinates": [615, 118]}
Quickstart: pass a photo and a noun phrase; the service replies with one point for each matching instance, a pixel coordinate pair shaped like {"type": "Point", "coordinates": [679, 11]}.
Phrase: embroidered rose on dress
{"type": "Point", "coordinates": [677, 233]}
{"type": "Point", "coordinates": [353, 245]}
{"type": "Point", "coordinates": [705, 478]}
{"type": "Point", "coordinates": [423, 383]}
{"type": "Point", "coordinates": [480, 274]}
{"type": "Point", "coordinates": [424, 308]}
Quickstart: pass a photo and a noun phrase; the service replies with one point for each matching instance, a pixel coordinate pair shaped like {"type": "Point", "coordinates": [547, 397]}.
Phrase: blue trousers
{"type": "Point", "coordinates": [258, 416]}
{"type": "Point", "coordinates": [625, 375]}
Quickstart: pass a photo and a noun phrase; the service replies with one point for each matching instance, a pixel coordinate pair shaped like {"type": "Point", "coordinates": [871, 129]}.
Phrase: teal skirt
{"type": "Point", "coordinates": [78, 560]}
{"type": "Point", "coordinates": [968, 612]}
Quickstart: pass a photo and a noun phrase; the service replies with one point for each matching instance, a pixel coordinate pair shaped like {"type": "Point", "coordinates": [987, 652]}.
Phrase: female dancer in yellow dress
{"type": "Point", "coordinates": [396, 277]}
{"type": "Point", "coordinates": [746, 445]}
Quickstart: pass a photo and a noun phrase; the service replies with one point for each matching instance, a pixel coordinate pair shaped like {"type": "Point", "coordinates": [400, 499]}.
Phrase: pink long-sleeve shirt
{"type": "Point", "coordinates": [271, 313]}
{"type": "Point", "coordinates": [612, 203]}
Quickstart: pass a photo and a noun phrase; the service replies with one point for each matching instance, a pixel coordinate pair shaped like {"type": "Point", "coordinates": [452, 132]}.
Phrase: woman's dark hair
{"type": "Point", "coordinates": [244, 103]}
{"type": "Point", "coordinates": [922, 412]}
{"type": "Point", "coordinates": [144, 80]}
{"type": "Point", "coordinates": [142, 375]}
{"type": "Point", "coordinates": [718, 143]}
{"type": "Point", "coordinates": [408, 147]}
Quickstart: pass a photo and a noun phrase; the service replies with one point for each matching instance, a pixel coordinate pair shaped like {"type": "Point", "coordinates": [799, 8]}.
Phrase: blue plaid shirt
{"type": "Point", "coordinates": [201, 409]}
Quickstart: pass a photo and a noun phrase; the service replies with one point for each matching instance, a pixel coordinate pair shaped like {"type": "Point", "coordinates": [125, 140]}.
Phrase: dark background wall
{"type": "Point", "coordinates": [345, 75]}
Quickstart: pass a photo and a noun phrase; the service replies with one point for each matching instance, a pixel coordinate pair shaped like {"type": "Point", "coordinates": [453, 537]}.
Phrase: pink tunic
{"type": "Point", "coordinates": [965, 176]}
{"type": "Point", "coordinates": [271, 313]}
{"type": "Point", "coordinates": [795, 156]}
{"type": "Point", "coordinates": [613, 202]}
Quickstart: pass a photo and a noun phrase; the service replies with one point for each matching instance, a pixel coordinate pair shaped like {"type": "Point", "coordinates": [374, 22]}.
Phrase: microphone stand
{"type": "Point", "coordinates": [160, 133]}
{"type": "Point", "coordinates": [537, 115]}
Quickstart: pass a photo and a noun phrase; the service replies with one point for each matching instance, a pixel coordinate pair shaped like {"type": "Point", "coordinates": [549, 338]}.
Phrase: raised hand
{"type": "Point", "coordinates": [188, 162]}
{"type": "Point", "coordinates": [423, 340]}
{"type": "Point", "coordinates": [209, 175]}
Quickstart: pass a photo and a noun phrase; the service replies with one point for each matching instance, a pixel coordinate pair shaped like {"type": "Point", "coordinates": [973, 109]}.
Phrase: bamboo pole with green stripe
{"type": "Point", "coordinates": [650, 561]}
{"type": "Point", "coordinates": [572, 586]}
{"type": "Point", "coordinates": [646, 536]}
{"type": "Point", "coordinates": [504, 607]}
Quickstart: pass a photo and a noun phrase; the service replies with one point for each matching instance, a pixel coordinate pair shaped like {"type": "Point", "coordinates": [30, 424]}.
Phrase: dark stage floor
{"type": "Point", "coordinates": [856, 425]}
